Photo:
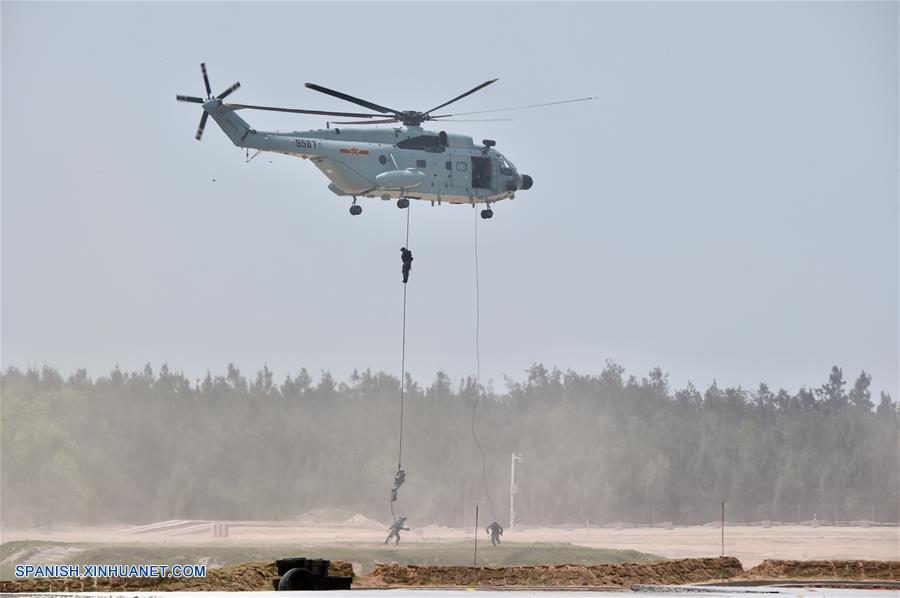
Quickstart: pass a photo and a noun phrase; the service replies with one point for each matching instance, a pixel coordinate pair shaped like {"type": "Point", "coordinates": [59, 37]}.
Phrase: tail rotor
{"type": "Point", "coordinates": [206, 80]}
{"type": "Point", "coordinates": [209, 97]}
{"type": "Point", "coordinates": [228, 91]}
{"type": "Point", "coordinates": [202, 125]}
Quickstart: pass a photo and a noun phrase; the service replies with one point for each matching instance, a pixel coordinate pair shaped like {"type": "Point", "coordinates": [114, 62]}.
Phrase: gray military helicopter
{"type": "Point", "coordinates": [404, 162]}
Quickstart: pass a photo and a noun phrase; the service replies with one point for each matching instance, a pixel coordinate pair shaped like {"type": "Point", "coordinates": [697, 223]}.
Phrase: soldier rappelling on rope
{"type": "Point", "coordinates": [407, 258]}
{"type": "Point", "coordinates": [399, 478]}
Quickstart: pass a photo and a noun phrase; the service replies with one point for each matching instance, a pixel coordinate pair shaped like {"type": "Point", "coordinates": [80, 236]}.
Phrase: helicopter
{"type": "Point", "coordinates": [403, 162]}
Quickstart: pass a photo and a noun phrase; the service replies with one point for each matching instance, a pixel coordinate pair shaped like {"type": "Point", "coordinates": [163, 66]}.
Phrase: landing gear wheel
{"type": "Point", "coordinates": [402, 203]}
{"type": "Point", "coordinates": [356, 210]}
{"type": "Point", "coordinates": [487, 213]}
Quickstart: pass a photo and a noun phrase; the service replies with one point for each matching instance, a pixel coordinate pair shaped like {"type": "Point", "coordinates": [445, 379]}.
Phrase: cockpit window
{"type": "Point", "coordinates": [506, 166]}
{"type": "Point", "coordinates": [429, 143]}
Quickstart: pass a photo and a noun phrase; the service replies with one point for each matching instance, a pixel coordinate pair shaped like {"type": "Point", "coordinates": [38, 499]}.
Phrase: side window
{"type": "Point", "coordinates": [420, 163]}
{"type": "Point", "coordinates": [382, 159]}
{"type": "Point", "coordinates": [449, 165]}
{"type": "Point", "coordinates": [461, 166]}
{"type": "Point", "coordinates": [429, 143]}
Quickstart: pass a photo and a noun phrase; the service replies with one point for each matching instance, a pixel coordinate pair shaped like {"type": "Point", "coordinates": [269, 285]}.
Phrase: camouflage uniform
{"type": "Point", "coordinates": [495, 531]}
{"type": "Point", "coordinates": [394, 532]}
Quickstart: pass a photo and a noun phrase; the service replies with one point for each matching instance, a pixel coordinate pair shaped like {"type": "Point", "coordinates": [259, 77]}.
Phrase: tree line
{"type": "Point", "coordinates": [133, 447]}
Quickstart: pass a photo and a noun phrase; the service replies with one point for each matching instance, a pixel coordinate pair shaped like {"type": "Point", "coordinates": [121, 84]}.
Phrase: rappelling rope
{"type": "Point", "coordinates": [402, 371]}
{"type": "Point", "coordinates": [478, 374]}
{"type": "Point", "coordinates": [403, 354]}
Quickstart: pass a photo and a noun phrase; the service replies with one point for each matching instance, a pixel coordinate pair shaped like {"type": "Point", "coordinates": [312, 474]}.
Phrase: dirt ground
{"type": "Point", "coordinates": [257, 576]}
{"type": "Point", "coordinates": [776, 569]}
{"type": "Point", "coordinates": [751, 545]}
{"type": "Point", "coordinates": [244, 577]}
{"type": "Point", "coordinates": [607, 575]}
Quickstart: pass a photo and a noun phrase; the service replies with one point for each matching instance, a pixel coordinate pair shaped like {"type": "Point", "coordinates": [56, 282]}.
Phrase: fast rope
{"type": "Point", "coordinates": [403, 354]}
{"type": "Point", "coordinates": [478, 374]}
{"type": "Point", "coordinates": [402, 377]}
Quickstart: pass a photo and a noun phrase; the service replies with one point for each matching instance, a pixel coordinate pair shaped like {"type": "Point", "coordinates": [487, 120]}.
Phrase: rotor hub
{"type": "Point", "coordinates": [412, 118]}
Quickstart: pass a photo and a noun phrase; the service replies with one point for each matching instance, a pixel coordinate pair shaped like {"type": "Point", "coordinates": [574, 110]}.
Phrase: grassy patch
{"type": "Point", "coordinates": [460, 553]}
{"type": "Point", "coordinates": [367, 554]}
{"type": "Point", "coordinates": [23, 548]}
{"type": "Point", "coordinates": [19, 552]}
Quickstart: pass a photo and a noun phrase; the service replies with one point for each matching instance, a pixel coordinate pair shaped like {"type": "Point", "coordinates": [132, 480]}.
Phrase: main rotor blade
{"type": "Point", "coordinates": [299, 111]}
{"type": "Point", "coordinates": [190, 99]}
{"type": "Point", "coordinates": [205, 80]}
{"type": "Point", "coordinates": [202, 125]}
{"type": "Point", "coordinates": [349, 98]}
{"type": "Point", "coordinates": [515, 107]}
{"type": "Point", "coordinates": [469, 120]}
{"type": "Point", "coordinates": [365, 122]}
{"type": "Point", "coordinates": [459, 97]}
{"type": "Point", "coordinates": [228, 91]}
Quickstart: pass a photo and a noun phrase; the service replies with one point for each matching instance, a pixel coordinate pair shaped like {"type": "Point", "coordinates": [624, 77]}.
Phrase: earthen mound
{"type": "Point", "coordinates": [617, 575]}
{"type": "Point", "coordinates": [780, 569]}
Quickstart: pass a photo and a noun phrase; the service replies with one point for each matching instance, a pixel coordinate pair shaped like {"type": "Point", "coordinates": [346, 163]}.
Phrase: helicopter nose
{"type": "Point", "coordinates": [527, 182]}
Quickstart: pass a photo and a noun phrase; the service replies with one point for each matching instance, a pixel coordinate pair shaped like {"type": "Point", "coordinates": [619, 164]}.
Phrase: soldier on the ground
{"type": "Point", "coordinates": [495, 531]}
{"type": "Point", "coordinates": [394, 532]}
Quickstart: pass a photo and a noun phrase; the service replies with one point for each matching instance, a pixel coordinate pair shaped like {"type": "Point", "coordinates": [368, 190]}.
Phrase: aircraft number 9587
{"type": "Point", "coordinates": [308, 143]}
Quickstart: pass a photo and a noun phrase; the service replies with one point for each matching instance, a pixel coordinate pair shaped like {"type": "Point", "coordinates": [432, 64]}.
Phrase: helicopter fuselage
{"type": "Point", "coordinates": [400, 162]}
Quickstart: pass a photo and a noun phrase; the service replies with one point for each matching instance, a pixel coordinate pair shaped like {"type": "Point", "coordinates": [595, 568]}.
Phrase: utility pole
{"type": "Point", "coordinates": [513, 489]}
{"type": "Point", "coordinates": [723, 528]}
{"type": "Point", "coordinates": [475, 556]}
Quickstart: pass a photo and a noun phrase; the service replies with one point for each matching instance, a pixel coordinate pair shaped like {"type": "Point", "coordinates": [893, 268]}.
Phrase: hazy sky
{"type": "Point", "coordinates": [727, 209]}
